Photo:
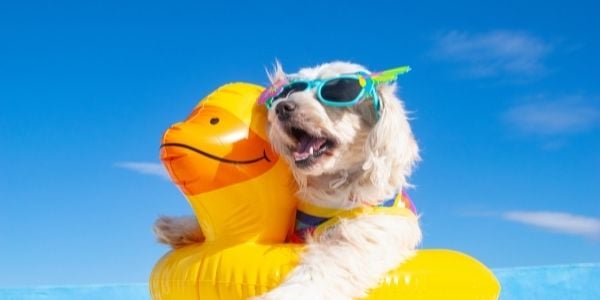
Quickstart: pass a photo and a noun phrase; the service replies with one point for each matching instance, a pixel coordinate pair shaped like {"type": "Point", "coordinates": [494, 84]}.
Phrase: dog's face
{"type": "Point", "coordinates": [319, 139]}
{"type": "Point", "coordinates": [316, 138]}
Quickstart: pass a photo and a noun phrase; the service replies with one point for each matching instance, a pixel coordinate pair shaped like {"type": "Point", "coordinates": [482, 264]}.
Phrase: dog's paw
{"type": "Point", "coordinates": [178, 231]}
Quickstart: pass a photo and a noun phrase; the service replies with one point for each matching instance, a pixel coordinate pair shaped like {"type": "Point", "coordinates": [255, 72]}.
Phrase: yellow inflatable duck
{"type": "Point", "coordinates": [243, 196]}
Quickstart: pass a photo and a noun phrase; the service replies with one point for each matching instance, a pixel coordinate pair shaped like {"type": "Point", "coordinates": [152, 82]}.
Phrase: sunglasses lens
{"type": "Point", "coordinates": [291, 88]}
{"type": "Point", "coordinates": [341, 89]}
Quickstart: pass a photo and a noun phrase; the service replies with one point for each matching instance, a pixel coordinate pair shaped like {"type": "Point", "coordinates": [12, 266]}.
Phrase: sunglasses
{"type": "Point", "coordinates": [340, 91]}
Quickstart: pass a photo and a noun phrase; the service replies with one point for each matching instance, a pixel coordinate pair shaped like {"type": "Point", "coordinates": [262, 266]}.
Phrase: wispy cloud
{"type": "Point", "coordinates": [493, 53]}
{"type": "Point", "coordinates": [563, 115]}
{"type": "Point", "coordinates": [560, 222]}
{"type": "Point", "coordinates": [146, 168]}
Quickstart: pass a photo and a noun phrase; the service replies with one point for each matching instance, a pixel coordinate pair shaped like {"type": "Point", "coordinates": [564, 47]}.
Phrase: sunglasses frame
{"type": "Point", "coordinates": [365, 83]}
{"type": "Point", "coordinates": [368, 82]}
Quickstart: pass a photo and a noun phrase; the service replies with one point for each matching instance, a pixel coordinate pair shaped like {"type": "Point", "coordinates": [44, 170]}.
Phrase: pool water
{"type": "Point", "coordinates": [580, 281]}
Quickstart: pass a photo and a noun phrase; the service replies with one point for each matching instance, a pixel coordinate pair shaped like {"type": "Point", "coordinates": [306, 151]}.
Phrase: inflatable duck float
{"type": "Point", "coordinates": [243, 196]}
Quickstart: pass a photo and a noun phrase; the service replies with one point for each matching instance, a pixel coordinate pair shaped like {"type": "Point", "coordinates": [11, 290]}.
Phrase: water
{"type": "Point", "coordinates": [581, 282]}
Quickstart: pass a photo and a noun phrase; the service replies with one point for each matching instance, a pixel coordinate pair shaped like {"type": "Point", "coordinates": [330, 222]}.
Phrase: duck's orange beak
{"type": "Point", "coordinates": [219, 144]}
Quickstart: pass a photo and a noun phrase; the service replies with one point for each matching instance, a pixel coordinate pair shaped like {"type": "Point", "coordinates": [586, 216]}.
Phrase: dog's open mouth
{"type": "Point", "coordinates": [309, 147]}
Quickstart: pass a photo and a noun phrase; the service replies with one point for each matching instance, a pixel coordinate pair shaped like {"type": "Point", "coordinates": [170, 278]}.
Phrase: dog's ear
{"type": "Point", "coordinates": [391, 149]}
{"type": "Point", "coordinates": [276, 73]}
{"type": "Point", "coordinates": [367, 112]}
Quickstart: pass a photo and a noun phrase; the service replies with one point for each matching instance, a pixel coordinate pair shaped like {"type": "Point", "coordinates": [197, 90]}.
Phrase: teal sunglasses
{"type": "Point", "coordinates": [340, 91]}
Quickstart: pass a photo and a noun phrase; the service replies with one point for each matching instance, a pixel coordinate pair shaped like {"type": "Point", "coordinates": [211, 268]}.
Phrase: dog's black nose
{"type": "Point", "coordinates": [284, 110]}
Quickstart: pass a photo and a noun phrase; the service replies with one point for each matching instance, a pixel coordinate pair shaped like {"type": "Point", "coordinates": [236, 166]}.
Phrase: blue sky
{"type": "Point", "coordinates": [505, 100]}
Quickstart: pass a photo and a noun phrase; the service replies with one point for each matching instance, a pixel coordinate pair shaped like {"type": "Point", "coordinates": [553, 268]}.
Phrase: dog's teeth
{"type": "Point", "coordinates": [311, 151]}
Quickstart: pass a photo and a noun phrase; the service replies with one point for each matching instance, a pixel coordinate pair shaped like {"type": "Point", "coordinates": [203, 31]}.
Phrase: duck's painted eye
{"type": "Point", "coordinates": [214, 121]}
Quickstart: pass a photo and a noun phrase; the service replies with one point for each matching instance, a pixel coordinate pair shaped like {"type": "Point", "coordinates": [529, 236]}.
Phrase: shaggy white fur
{"type": "Point", "coordinates": [368, 161]}
{"type": "Point", "coordinates": [178, 231]}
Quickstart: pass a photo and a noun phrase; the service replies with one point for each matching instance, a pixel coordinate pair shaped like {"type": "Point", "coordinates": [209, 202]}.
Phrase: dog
{"type": "Point", "coordinates": [350, 149]}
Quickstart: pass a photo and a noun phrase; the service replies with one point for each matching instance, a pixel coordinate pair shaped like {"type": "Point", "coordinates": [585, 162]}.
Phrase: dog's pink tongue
{"type": "Point", "coordinates": [307, 146]}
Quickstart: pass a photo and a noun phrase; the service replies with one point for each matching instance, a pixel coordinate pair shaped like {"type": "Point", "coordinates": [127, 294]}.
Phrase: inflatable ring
{"type": "Point", "coordinates": [242, 195]}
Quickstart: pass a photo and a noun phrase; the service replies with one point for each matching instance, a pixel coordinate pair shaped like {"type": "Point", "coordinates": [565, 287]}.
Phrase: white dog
{"type": "Point", "coordinates": [351, 149]}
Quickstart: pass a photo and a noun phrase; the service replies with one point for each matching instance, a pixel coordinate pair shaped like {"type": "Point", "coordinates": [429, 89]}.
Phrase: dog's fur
{"type": "Point", "coordinates": [369, 162]}
{"type": "Point", "coordinates": [178, 231]}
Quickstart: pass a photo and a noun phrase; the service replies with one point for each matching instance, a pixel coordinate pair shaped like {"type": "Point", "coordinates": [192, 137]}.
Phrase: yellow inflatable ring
{"type": "Point", "coordinates": [242, 194]}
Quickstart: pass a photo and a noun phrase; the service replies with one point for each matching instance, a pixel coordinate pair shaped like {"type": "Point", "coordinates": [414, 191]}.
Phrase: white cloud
{"type": "Point", "coordinates": [146, 168]}
{"type": "Point", "coordinates": [557, 222]}
{"type": "Point", "coordinates": [493, 53]}
{"type": "Point", "coordinates": [559, 116]}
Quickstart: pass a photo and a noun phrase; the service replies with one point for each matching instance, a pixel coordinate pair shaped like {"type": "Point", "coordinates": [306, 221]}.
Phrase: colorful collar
{"type": "Point", "coordinates": [313, 219]}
